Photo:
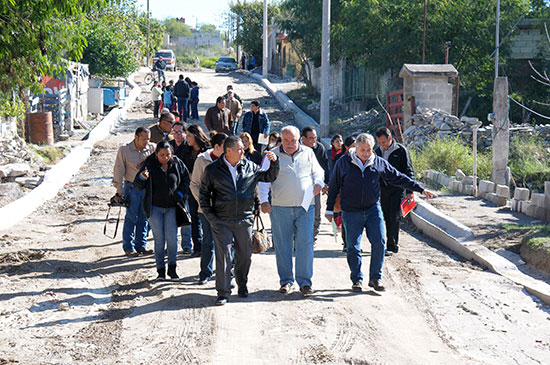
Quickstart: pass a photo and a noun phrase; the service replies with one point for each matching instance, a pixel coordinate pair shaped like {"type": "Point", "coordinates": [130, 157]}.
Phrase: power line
{"type": "Point", "coordinates": [528, 109]}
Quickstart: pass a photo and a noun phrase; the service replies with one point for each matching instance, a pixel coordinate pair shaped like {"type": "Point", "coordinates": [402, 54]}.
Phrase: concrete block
{"type": "Point", "coordinates": [538, 199]}
{"type": "Point", "coordinates": [468, 189]}
{"type": "Point", "coordinates": [516, 205]}
{"type": "Point", "coordinates": [521, 194]}
{"type": "Point", "coordinates": [486, 186]}
{"type": "Point", "coordinates": [539, 213]}
{"type": "Point", "coordinates": [547, 188]}
{"type": "Point", "coordinates": [529, 210]}
{"type": "Point", "coordinates": [445, 180]}
{"type": "Point", "coordinates": [468, 180]}
{"type": "Point", "coordinates": [427, 175]}
{"type": "Point", "coordinates": [483, 195]}
{"type": "Point", "coordinates": [503, 191]}
{"type": "Point", "coordinates": [492, 197]}
{"type": "Point", "coordinates": [460, 175]}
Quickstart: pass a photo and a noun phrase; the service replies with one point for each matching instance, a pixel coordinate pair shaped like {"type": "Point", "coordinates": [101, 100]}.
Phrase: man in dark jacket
{"type": "Point", "coordinates": [391, 196]}
{"type": "Point", "coordinates": [357, 177]}
{"type": "Point", "coordinates": [218, 118]}
{"type": "Point", "coordinates": [227, 199]}
{"type": "Point", "coordinates": [309, 138]}
{"type": "Point", "coordinates": [161, 130]}
{"type": "Point", "coordinates": [256, 122]}
{"type": "Point", "coordinates": [181, 91]}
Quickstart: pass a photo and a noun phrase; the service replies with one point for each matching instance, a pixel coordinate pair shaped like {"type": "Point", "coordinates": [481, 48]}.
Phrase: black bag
{"type": "Point", "coordinates": [182, 216]}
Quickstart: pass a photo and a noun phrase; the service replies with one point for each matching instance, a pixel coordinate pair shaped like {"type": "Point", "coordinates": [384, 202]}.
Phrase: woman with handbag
{"type": "Point", "coordinates": [166, 182]}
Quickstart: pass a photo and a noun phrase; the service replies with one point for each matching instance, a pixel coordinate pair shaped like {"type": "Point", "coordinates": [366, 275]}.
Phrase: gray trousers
{"type": "Point", "coordinates": [317, 221]}
{"type": "Point", "coordinates": [224, 234]}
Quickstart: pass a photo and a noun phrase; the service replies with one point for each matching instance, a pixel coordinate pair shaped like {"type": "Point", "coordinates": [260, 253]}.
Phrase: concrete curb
{"type": "Point", "coordinates": [460, 239]}
{"type": "Point", "coordinates": [63, 171]}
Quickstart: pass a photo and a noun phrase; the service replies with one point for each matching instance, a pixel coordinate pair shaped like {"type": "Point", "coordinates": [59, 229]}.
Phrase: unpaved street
{"type": "Point", "coordinates": [68, 295]}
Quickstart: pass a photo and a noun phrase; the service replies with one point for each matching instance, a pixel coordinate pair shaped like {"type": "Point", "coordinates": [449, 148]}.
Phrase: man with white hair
{"type": "Point", "coordinates": [293, 209]}
{"type": "Point", "coordinates": [356, 177]}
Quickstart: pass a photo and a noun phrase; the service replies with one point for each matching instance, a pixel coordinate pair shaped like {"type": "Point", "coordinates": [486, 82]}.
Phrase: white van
{"type": "Point", "coordinates": [169, 58]}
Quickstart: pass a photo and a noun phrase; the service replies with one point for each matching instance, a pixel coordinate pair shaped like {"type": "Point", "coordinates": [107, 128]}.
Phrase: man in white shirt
{"type": "Point", "coordinates": [293, 211]}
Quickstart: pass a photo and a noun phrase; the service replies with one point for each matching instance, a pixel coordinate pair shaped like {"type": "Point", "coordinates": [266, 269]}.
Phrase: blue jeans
{"type": "Point", "coordinates": [183, 108]}
{"type": "Point", "coordinates": [186, 243]}
{"type": "Point", "coordinates": [194, 106]}
{"type": "Point", "coordinates": [293, 227]}
{"type": "Point", "coordinates": [165, 233]}
{"type": "Point", "coordinates": [372, 220]}
{"type": "Point", "coordinates": [134, 231]}
{"type": "Point", "coordinates": [161, 73]}
{"type": "Point", "coordinates": [207, 251]}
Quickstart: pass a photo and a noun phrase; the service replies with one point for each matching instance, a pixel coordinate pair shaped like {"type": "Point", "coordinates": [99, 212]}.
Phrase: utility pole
{"type": "Point", "coordinates": [424, 35]}
{"type": "Point", "coordinates": [497, 39]}
{"type": "Point", "coordinates": [325, 71]}
{"type": "Point", "coordinates": [148, 54]}
{"type": "Point", "coordinates": [264, 65]}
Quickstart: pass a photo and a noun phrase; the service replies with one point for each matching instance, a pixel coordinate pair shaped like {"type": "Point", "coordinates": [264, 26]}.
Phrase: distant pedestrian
{"type": "Point", "coordinates": [167, 98]}
{"type": "Point", "coordinates": [235, 95]}
{"type": "Point", "coordinates": [357, 177]}
{"type": "Point", "coordinates": [309, 139]}
{"type": "Point", "coordinates": [127, 163]}
{"type": "Point", "coordinates": [235, 110]}
{"type": "Point", "coordinates": [203, 160]}
{"type": "Point", "coordinates": [336, 144]}
{"type": "Point", "coordinates": [194, 102]}
{"type": "Point", "coordinates": [243, 61]}
{"type": "Point", "coordinates": [156, 97]}
{"type": "Point", "coordinates": [162, 129]}
{"type": "Point", "coordinates": [166, 183]}
{"type": "Point", "coordinates": [391, 196]}
{"type": "Point", "coordinates": [292, 216]}
{"type": "Point", "coordinates": [160, 66]}
{"type": "Point", "coordinates": [227, 200]}
{"type": "Point", "coordinates": [256, 122]}
{"type": "Point", "coordinates": [197, 62]}
{"type": "Point", "coordinates": [217, 118]}
{"type": "Point", "coordinates": [181, 91]}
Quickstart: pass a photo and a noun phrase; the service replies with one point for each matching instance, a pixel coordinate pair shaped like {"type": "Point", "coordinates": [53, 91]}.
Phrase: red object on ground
{"type": "Point", "coordinates": [406, 206]}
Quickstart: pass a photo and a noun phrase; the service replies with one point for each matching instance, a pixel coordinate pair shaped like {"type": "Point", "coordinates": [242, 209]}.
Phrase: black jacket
{"type": "Point", "coordinates": [321, 155]}
{"type": "Point", "coordinates": [401, 160]}
{"type": "Point", "coordinates": [217, 196]}
{"type": "Point", "coordinates": [176, 178]}
{"type": "Point", "coordinates": [181, 89]}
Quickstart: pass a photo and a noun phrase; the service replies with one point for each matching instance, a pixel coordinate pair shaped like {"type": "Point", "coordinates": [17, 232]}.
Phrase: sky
{"type": "Point", "coordinates": [194, 11]}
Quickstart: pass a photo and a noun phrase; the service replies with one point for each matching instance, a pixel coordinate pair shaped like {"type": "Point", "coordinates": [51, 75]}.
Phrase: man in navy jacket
{"type": "Point", "coordinates": [357, 177]}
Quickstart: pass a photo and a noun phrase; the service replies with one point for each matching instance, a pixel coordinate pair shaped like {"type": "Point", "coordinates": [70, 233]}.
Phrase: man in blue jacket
{"type": "Point", "coordinates": [357, 177]}
{"type": "Point", "coordinates": [256, 122]}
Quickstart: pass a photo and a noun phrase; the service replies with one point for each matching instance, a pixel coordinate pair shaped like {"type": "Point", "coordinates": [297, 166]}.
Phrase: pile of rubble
{"type": "Point", "coordinates": [358, 122]}
{"type": "Point", "coordinates": [428, 124]}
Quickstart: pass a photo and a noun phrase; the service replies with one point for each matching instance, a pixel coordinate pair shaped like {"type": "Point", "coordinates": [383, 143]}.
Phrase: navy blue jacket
{"type": "Point", "coordinates": [361, 190]}
{"type": "Point", "coordinates": [262, 118]}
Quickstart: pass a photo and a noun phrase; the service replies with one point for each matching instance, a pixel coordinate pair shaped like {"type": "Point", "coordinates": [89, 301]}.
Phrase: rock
{"type": "Point", "coordinates": [28, 182]}
{"type": "Point", "coordinates": [18, 169]}
{"type": "Point", "coordinates": [502, 191]}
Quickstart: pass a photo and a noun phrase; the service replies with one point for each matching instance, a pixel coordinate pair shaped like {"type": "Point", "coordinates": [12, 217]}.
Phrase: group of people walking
{"type": "Point", "coordinates": [181, 98]}
{"type": "Point", "coordinates": [223, 180]}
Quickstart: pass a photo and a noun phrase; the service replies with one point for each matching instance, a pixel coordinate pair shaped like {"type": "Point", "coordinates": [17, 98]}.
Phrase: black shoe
{"type": "Point", "coordinates": [306, 290]}
{"type": "Point", "coordinates": [186, 252]}
{"type": "Point", "coordinates": [377, 285]}
{"type": "Point", "coordinates": [172, 272]}
{"type": "Point", "coordinates": [145, 251]}
{"type": "Point", "coordinates": [161, 274]}
{"type": "Point", "coordinates": [389, 253]}
{"type": "Point", "coordinates": [243, 292]}
{"type": "Point", "coordinates": [357, 287]}
{"type": "Point", "coordinates": [203, 281]}
{"type": "Point", "coordinates": [131, 253]}
{"type": "Point", "coordinates": [196, 254]}
{"type": "Point", "coordinates": [221, 301]}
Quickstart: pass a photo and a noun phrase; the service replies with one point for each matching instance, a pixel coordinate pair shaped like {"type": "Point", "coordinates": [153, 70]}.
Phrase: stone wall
{"type": "Point", "coordinates": [429, 93]}
{"type": "Point", "coordinates": [336, 80]}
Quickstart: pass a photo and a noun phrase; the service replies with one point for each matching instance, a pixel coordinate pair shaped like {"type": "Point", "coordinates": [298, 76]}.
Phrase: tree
{"type": "Point", "coordinates": [207, 28]}
{"type": "Point", "coordinates": [176, 28]}
{"type": "Point", "coordinates": [250, 25]}
{"type": "Point", "coordinates": [37, 37]}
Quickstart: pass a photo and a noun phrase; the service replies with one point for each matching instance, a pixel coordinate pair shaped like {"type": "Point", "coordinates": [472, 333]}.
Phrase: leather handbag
{"type": "Point", "coordinates": [260, 239]}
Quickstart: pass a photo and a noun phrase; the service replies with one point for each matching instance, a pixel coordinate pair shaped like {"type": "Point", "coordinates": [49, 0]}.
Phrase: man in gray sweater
{"type": "Point", "coordinates": [293, 211]}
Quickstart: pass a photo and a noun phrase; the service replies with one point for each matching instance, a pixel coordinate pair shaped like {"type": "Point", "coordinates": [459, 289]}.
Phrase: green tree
{"type": "Point", "coordinates": [207, 28]}
{"type": "Point", "coordinates": [37, 37]}
{"type": "Point", "coordinates": [249, 25]}
{"type": "Point", "coordinates": [176, 28]}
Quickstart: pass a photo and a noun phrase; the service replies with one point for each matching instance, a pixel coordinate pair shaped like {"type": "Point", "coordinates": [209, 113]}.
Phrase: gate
{"type": "Point", "coordinates": [394, 116]}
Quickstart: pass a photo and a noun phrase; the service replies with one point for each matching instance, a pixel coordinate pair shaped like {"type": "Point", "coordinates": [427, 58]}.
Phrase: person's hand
{"type": "Point", "coordinates": [328, 217]}
{"type": "Point", "coordinates": [266, 208]}
{"type": "Point", "coordinates": [266, 135]}
{"type": "Point", "coordinates": [145, 174]}
{"type": "Point", "coordinates": [325, 190]}
{"type": "Point", "coordinates": [429, 194]}
{"type": "Point", "coordinates": [117, 198]}
{"type": "Point", "coordinates": [317, 189]}
{"type": "Point", "coordinates": [271, 156]}
{"type": "Point", "coordinates": [409, 196]}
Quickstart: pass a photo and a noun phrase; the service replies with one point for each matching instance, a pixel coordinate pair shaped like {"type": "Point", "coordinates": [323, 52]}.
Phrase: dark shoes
{"type": "Point", "coordinates": [145, 251]}
{"type": "Point", "coordinates": [187, 252]}
{"type": "Point", "coordinates": [306, 290]}
{"type": "Point", "coordinates": [131, 253]}
{"type": "Point", "coordinates": [389, 253]}
{"type": "Point", "coordinates": [377, 285]}
{"type": "Point", "coordinates": [285, 289]}
{"type": "Point", "coordinates": [221, 301]}
{"type": "Point", "coordinates": [161, 274]}
{"type": "Point", "coordinates": [196, 254]}
{"type": "Point", "coordinates": [172, 272]}
{"type": "Point", "coordinates": [243, 292]}
{"type": "Point", "coordinates": [203, 281]}
{"type": "Point", "coordinates": [357, 287]}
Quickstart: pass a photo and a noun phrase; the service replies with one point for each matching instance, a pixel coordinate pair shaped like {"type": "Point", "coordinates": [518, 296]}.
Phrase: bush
{"type": "Point", "coordinates": [208, 62]}
{"type": "Point", "coordinates": [529, 162]}
{"type": "Point", "coordinates": [449, 154]}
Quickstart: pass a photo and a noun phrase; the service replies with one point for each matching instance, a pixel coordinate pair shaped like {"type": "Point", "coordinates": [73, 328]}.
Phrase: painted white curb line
{"type": "Point", "coordinates": [460, 239]}
{"type": "Point", "coordinates": [63, 171]}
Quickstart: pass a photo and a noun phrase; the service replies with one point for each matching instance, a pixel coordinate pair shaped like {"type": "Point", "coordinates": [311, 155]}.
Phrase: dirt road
{"type": "Point", "coordinates": [68, 295]}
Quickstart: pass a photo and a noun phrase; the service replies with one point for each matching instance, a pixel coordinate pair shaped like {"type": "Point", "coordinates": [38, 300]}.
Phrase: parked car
{"type": "Point", "coordinates": [168, 56]}
{"type": "Point", "coordinates": [226, 64]}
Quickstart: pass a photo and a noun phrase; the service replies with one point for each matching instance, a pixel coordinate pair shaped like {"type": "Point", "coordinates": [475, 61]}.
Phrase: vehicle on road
{"type": "Point", "coordinates": [226, 64]}
{"type": "Point", "coordinates": [169, 58]}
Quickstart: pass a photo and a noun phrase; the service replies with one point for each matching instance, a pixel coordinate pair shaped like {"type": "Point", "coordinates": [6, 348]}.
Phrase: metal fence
{"type": "Point", "coordinates": [361, 84]}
